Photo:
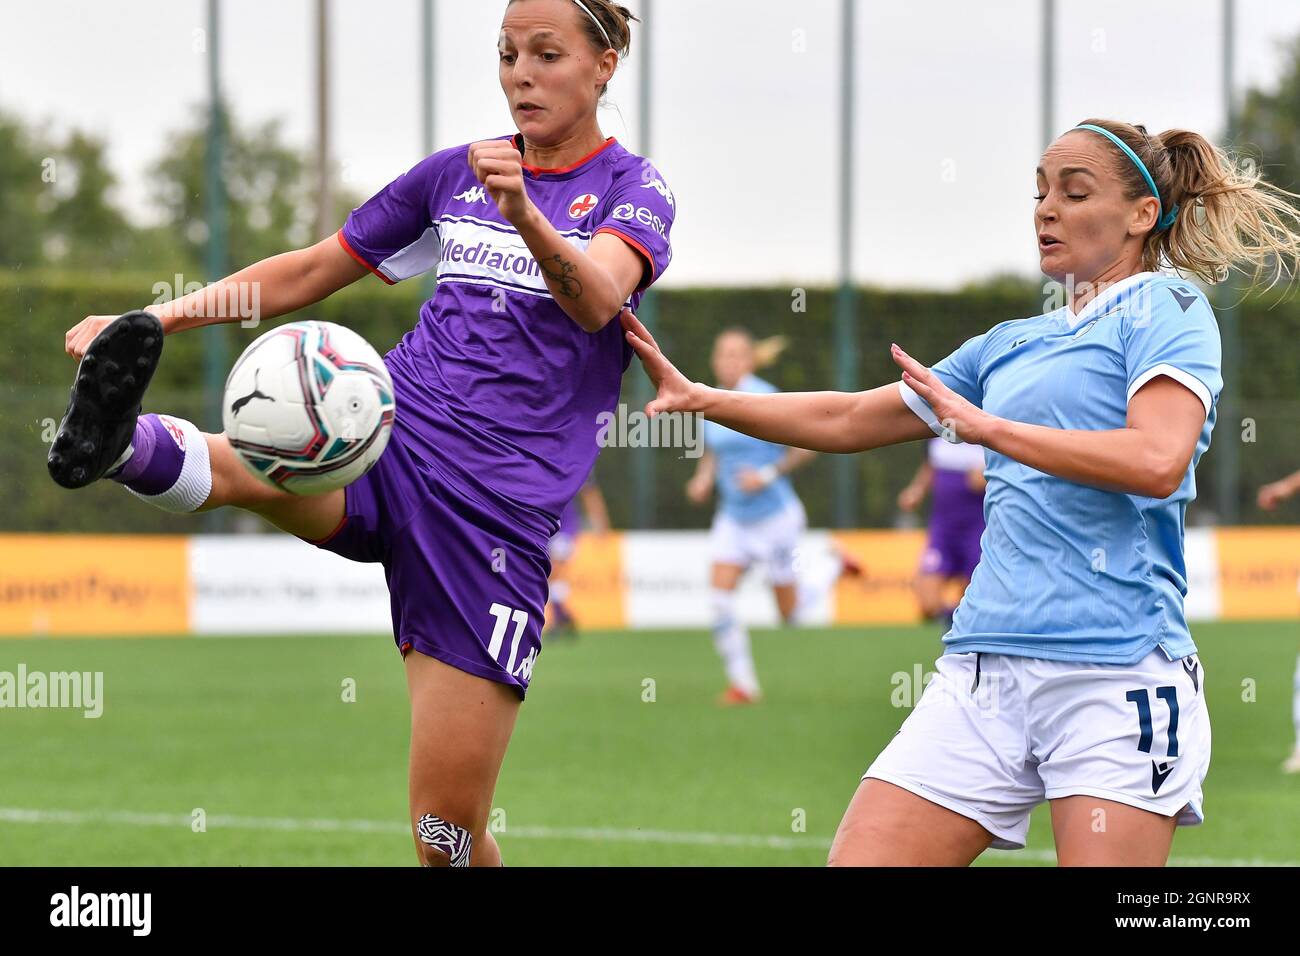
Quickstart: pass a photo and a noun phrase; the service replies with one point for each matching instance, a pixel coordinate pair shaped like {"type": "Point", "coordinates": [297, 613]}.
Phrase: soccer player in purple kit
{"type": "Point", "coordinates": [539, 240]}
{"type": "Point", "coordinates": [953, 475]}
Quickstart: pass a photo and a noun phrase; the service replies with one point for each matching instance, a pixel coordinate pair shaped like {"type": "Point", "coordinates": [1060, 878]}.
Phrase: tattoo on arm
{"type": "Point", "coordinates": [560, 271]}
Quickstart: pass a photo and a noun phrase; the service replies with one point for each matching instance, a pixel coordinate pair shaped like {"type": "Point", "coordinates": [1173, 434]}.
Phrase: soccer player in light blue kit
{"type": "Point", "coordinates": [1069, 674]}
{"type": "Point", "coordinates": [759, 520]}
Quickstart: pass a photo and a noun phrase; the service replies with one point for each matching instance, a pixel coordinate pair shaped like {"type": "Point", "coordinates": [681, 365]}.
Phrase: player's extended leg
{"type": "Point", "coordinates": [929, 595]}
{"type": "Point", "coordinates": [1094, 832]}
{"type": "Point", "coordinates": [163, 460]}
{"type": "Point", "coordinates": [460, 727]}
{"type": "Point", "coordinates": [313, 517]}
{"type": "Point", "coordinates": [886, 825]}
{"type": "Point", "coordinates": [800, 591]}
{"type": "Point", "coordinates": [787, 602]}
{"type": "Point", "coordinates": [731, 637]}
{"type": "Point", "coordinates": [560, 620]}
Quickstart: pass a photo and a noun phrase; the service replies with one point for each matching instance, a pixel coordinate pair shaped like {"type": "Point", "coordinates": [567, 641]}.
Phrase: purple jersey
{"type": "Point", "coordinates": [957, 512]}
{"type": "Point", "coordinates": [496, 386]}
{"type": "Point", "coordinates": [954, 503]}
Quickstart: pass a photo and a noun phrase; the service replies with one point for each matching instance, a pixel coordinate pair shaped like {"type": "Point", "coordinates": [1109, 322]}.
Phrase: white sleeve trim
{"type": "Point", "coordinates": [1186, 379]}
{"type": "Point", "coordinates": [416, 259]}
{"type": "Point", "coordinates": [922, 409]}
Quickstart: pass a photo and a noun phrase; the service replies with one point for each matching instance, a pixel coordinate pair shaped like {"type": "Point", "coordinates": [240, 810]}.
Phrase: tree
{"type": "Point", "coordinates": [27, 175]}
{"type": "Point", "coordinates": [268, 184]}
{"type": "Point", "coordinates": [1269, 123]}
{"type": "Point", "coordinates": [84, 228]}
{"type": "Point", "coordinates": [268, 199]}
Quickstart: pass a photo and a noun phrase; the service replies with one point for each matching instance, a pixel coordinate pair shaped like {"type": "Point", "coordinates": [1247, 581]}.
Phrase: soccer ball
{"type": "Point", "coordinates": [309, 407]}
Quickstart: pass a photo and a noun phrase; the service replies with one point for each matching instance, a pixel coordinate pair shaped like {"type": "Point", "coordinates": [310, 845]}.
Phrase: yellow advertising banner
{"type": "Point", "coordinates": [1258, 572]}
{"type": "Point", "coordinates": [595, 573]}
{"type": "Point", "coordinates": [93, 585]}
{"type": "Point", "coordinates": [883, 593]}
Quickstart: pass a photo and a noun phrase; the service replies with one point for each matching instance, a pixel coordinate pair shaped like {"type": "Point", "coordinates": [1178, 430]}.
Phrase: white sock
{"type": "Point", "coordinates": [731, 638]}
{"type": "Point", "coordinates": [193, 485]}
{"type": "Point", "coordinates": [1295, 703]}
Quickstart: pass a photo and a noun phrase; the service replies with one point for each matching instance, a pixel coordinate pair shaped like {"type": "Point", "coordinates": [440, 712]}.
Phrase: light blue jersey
{"type": "Point", "coordinates": [1070, 572]}
{"type": "Point", "coordinates": [736, 453]}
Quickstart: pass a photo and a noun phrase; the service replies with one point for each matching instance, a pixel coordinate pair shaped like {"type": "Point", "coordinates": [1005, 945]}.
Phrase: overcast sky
{"type": "Point", "coordinates": [746, 105]}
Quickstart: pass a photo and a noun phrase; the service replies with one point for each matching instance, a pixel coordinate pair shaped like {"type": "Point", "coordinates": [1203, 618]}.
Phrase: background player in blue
{"type": "Point", "coordinates": [1269, 497]}
{"type": "Point", "coordinates": [1069, 674]}
{"type": "Point", "coordinates": [538, 239]}
{"type": "Point", "coordinates": [759, 518]}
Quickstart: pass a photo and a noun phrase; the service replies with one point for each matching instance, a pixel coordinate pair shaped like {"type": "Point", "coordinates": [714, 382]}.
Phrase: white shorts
{"type": "Point", "coordinates": [1035, 730]}
{"type": "Point", "coordinates": [773, 541]}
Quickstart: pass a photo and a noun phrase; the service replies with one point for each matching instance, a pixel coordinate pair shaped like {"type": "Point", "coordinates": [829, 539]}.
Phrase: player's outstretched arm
{"type": "Point", "coordinates": [838, 422]}
{"type": "Point", "coordinates": [272, 287]}
{"type": "Point", "coordinates": [1149, 456]}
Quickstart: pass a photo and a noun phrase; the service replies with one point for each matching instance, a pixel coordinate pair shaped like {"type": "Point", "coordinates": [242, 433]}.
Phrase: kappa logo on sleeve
{"type": "Point", "coordinates": [659, 186]}
{"type": "Point", "coordinates": [473, 194]}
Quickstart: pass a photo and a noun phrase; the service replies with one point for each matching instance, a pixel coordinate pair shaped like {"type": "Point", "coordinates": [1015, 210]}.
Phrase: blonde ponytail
{"type": "Point", "coordinates": [1228, 215]}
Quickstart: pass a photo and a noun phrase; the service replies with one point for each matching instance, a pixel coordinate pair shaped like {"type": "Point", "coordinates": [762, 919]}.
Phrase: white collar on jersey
{"type": "Point", "coordinates": [1105, 297]}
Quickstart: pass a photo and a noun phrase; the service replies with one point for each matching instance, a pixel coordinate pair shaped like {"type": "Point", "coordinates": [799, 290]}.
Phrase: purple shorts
{"type": "Point", "coordinates": [952, 552]}
{"type": "Point", "coordinates": [466, 577]}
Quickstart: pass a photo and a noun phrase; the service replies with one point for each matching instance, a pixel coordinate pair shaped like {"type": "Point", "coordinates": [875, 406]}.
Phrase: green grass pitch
{"type": "Point", "coordinates": [257, 735]}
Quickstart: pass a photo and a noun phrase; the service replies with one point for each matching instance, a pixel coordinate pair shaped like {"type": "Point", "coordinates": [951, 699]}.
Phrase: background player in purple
{"type": "Point", "coordinates": [539, 240]}
{"type": "Point", "coordinates": [953, 475]}
{"type": "Point", "coordinates": [563, 544]}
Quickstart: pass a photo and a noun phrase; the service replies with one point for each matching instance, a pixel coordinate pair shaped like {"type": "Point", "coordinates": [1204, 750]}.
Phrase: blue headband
{"type": "Point", "coordinates": [1166, 219]}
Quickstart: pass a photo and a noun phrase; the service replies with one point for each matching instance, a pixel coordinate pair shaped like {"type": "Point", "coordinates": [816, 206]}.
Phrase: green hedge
{"type": "Point", "coordinates": [35, 374]}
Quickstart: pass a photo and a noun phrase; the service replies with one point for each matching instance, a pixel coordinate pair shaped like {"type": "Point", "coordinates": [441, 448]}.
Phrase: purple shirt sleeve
{"type": "Point", "coordinates": [392, 233]}
{"type": "Point", "coordinates": [640, 211]}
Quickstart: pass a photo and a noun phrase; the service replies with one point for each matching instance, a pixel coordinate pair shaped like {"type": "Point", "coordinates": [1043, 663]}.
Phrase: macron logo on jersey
{"type": "Point", "coordinates": [473, 194]}
{"type": "Point", "coordinates": [1182, 297]}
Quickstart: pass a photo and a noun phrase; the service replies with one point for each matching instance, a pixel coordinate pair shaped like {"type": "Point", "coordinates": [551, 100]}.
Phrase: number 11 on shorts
{"type": "Point", "coordinates": [1140, 697]}
{"type": "Point", "coordinates": [504, 616]}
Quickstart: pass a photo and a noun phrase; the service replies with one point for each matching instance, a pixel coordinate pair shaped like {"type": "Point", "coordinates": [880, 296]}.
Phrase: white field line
{"type": "Point", "coordinates": [580, 834]}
